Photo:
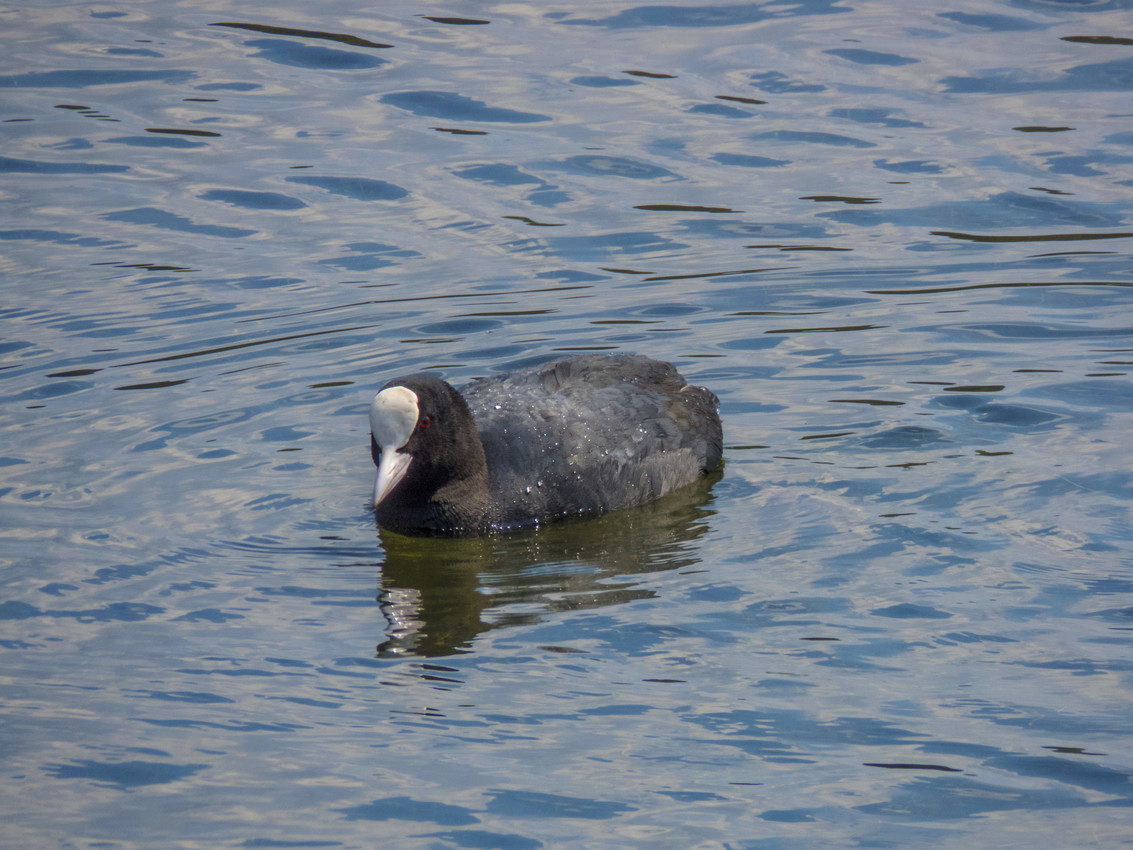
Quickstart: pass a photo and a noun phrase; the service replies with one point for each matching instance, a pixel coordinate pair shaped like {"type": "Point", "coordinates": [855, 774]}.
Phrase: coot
{"type": "Point", "coordinates": [572, 437]}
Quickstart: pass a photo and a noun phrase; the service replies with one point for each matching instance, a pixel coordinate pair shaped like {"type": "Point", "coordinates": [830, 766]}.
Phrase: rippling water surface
{"type": "Point", "coordinates": [894, 239]}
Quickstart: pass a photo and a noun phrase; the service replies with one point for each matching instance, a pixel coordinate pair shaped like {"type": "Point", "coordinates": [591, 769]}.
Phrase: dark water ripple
{"type": "Point", "coordinates": [897, 247]}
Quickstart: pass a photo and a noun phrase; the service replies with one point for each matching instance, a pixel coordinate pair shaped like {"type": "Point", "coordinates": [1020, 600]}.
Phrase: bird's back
{"type": "Point", "coordinates": [589, 434]}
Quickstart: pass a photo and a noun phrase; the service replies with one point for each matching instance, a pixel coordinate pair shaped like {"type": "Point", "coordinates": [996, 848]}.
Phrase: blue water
{"type": "Point", "coordinates": [893, 238]}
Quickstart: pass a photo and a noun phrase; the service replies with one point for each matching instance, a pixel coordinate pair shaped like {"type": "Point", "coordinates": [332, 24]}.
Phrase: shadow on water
{"type": "Point", "coordinates": [438, 594]}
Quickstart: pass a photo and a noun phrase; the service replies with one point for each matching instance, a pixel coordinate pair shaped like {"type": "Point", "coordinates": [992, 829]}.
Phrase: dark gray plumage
{"type": "Point", "coordinates": [573, 437]}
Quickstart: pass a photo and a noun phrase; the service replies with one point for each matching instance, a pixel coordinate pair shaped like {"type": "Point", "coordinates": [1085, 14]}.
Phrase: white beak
{"type": "Point", "coordinates": [391, 469]}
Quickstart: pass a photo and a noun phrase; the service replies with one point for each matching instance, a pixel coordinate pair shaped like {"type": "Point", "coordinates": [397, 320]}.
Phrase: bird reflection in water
{"type": "Point", "coordinates": [438, 594]}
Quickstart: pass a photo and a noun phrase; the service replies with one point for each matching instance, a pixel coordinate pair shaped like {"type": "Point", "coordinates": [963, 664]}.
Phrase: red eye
{"type": "Point", "coordinates": [424, 423]}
